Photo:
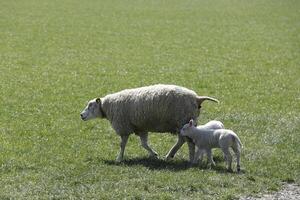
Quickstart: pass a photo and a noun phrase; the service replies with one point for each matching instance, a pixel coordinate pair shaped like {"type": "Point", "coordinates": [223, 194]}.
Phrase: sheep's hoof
{"type": "Point", "coordinates": [168, 158]}
{"type": "Point", "coordinates": [153, 156]}
{"type": "Point", "coordinates": [229, 170]}
{"type": "Point", "coordinates": [119, 160]}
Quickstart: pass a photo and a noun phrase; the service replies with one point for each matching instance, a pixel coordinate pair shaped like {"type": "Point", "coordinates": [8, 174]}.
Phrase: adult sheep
{"type": "Point", "coordinates": [156, 108]}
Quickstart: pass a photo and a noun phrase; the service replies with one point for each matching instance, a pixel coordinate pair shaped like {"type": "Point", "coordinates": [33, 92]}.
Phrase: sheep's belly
{"type": "Point", "coordinates": [171, 125]}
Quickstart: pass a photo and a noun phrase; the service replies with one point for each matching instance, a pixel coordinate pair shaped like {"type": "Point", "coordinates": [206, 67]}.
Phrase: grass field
{"type": "Point", "coordinates": [56, 55]}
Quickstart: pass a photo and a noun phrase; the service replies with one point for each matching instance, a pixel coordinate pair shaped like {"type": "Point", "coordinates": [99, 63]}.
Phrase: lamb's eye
{"type": "Point", "coordinates": [89, 106]}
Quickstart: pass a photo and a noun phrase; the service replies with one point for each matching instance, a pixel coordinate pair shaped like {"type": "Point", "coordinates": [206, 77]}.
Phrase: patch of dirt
{"type": "Point", "coordinates": [288, 192]}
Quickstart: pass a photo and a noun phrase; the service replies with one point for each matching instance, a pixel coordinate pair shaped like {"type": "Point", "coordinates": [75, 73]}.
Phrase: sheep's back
{"type": "Point", "coordinates": [158, 108]}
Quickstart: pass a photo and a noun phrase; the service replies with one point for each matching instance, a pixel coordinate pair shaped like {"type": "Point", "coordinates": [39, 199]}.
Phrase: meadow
{"type": "Point", "coordinates": [56, 55]}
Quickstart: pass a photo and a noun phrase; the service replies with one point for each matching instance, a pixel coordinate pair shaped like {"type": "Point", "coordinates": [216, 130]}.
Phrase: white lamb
{"type": "Point", "coordinates": [213, 124]}
{"type": "Point", "coordinates": [156, 108]}
{"type": "Point", "coordinates": [206, 139]}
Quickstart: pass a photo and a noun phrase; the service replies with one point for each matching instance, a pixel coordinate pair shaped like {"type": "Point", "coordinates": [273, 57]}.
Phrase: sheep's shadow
{"type": "Point", "coordinates": [153, 164]}
{"type": "Point", "coordinates": [172, 165]}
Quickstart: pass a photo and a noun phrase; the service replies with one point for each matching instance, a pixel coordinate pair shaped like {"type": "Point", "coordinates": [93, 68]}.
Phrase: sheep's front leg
{"type": "Point", "coordinates": [174, 149]}
{"type": "Point", "coordinates": [123, 143]}
{"type": "Point", "coordinates": [144, 142]}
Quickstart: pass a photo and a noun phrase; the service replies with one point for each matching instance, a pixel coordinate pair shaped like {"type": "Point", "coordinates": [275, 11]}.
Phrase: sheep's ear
{"type": "Point", "coordinates": [98, 100]}
{"type": "Point", "coordinates": [191, 123]}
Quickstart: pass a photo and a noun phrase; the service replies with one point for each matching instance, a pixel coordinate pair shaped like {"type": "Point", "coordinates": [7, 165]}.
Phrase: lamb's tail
{"type": "Point", "coordinates": [200, 99]}
{"type": "Point", "coordinates": [237, 140]}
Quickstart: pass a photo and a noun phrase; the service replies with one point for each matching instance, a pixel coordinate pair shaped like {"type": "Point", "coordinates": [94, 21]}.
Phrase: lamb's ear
{"type": "Point", "coordinates": [191, 123]}
{"type": "Point", "coordinates": [98, 100]}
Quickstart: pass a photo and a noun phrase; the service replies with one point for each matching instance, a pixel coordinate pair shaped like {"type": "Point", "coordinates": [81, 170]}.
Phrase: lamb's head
{"type": "Point", "coordinates": [187, 128]}
{"type": "Point", "coordinates": [92, 110]}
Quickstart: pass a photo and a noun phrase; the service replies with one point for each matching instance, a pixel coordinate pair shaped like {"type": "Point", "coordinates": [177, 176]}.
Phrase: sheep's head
{"type": "Point", "coordinates": [187, 128]}
{"type": "Point", "coordinates": [92, 110]}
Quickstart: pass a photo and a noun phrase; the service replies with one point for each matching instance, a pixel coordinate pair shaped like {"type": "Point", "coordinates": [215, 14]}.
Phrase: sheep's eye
{"type": "Point", "coordinates": [89, 106]}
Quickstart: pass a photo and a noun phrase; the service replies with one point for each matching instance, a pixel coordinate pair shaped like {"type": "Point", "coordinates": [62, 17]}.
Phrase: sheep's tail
{"type": "Point", "coordinates": [200, 99]}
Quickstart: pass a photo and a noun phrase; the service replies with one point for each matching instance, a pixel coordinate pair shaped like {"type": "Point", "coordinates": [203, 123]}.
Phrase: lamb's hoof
{"type": "Point", "coordinates": [211, 165]}
{"type": "Point", "coordinates": [194, 164]}
{"type": "Point", "coordinates": [191, 161]}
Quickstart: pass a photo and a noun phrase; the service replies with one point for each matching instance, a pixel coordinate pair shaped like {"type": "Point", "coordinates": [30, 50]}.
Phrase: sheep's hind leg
{"type": "Point", "coordinates": [174, 149]}
{"type": "Point", "coordinates": [144, 142]}
{"type": "Point", "coordinates": [123, 143]}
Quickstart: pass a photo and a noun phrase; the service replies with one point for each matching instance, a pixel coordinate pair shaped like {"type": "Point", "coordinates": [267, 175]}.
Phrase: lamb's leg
{"type": "Point", "coordinates": [144, 142]}
{"type": "Point", "coordinates": [201, 155]}
{"type": "Point", "coordinates": [237, 152]}
{"type": "Point", "coordinates": [174, 149]}
{"type": "Point", "coordinates": [198, 154]}
{"type": "Point", "coordinates": [191, 149]}
{"type": "Point", "coordinates": [228, 158]}
{"type": "Point", "coordinates": [210, 159]}
{"type": "Point", "coordinates": [123, 143]}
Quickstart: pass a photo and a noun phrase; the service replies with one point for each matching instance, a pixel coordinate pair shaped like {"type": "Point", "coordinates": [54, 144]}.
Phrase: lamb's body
{"type": "Point", "coordinates": [214, 138]}
{"type": "Point", "coordinates": [207, 139]}
{"type": "Point", "coordinates": [213, 124]}
{"type": "Point", "coordinates": [156, 108]}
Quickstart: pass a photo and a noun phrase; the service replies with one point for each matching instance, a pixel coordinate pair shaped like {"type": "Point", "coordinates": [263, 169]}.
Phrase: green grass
{"type": "Point", "coordinates": [56, 55]}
